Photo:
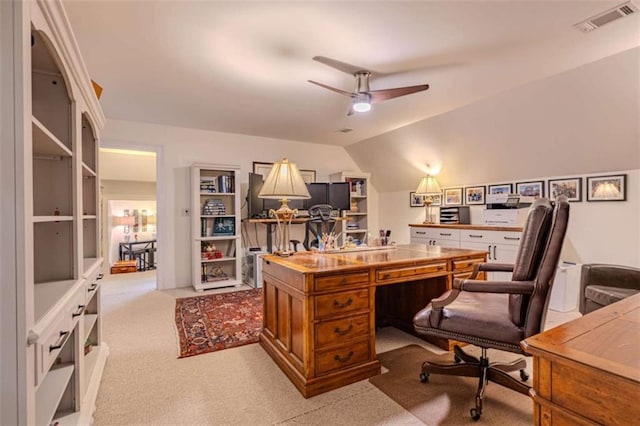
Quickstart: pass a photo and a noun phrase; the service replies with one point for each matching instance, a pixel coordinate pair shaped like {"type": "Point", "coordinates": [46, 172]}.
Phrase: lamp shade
{"type": "Point", "coordinates": [123, 220]}
{"type": "Point", "coordinates": [428, 186]}
{"type": "Point", "coordinates": [284, 181]}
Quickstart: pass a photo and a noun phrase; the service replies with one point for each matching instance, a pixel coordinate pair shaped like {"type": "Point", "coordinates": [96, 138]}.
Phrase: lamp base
{"type": "Point", "coordinates": [427, 214]}
{"type": "Point", "coordinates": [283, 219]}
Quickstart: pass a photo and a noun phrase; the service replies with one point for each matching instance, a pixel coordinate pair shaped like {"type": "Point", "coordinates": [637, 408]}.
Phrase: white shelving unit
{"type": "Point", "coordinates": [357, 225]}
{"type": "Point", "coordinates": [54, 119]}
{"type": "Point", "coordinates": [215, 212]}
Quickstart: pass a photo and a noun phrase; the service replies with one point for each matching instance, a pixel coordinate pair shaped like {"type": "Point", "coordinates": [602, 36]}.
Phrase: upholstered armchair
{"type": "Point", "coordinates": [601, 285]}
{"type": "Point", "coordinates": [499, 314]}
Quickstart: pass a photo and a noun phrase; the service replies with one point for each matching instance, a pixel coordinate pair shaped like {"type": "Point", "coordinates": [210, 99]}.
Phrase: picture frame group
{"type": "Point", "coordinates": [598, 188]}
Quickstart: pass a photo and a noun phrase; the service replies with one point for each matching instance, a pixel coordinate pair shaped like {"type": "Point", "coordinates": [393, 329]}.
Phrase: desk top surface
{"type": "Point", "coordinates": [312, 262]}
{"type": "Point", "coordinates": [607, 339]}
{"type": "Point", "coordinates": [467, 226]}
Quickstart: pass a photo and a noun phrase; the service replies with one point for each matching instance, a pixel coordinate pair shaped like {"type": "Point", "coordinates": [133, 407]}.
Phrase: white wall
{"type": "Point", "coordinates": [607, 232]}
{"type": "Point", "coordinates": [178, 148]}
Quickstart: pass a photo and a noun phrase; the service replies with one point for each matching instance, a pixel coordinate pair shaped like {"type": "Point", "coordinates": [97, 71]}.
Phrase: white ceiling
{"type": "Point", "coordinates": [242, 67]}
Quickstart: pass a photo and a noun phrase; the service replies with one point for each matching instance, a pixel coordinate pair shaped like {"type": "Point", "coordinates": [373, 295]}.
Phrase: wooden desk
{"type": "Point", "coordinates": [320, 310]}
{"type": "Point", "coordinates": [587, 371]}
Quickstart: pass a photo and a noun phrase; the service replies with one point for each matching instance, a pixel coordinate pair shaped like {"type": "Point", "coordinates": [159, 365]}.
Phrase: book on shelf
{"type": "Point", "coordinates": [214, 206]}
{"type": "Point", "coordinates": [226, 183]}
{"type": "Point", "coordinates": [208, 184]}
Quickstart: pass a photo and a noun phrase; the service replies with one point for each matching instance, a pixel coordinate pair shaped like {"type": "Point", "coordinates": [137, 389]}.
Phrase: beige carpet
{"type": "Point", "coordinates": [446, 400]}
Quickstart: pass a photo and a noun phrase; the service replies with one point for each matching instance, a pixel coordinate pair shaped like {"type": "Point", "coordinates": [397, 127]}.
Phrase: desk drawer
{"type": "Point", "coordinates": [466, 265]}
{"type": "Point", "coordinates": [333, 282]}
{"type": "Point", "coordinates": [393, 274]}
{"type": "Point", "coordinates": [341, 303]}
{"type": "Point", "coordinates": [341, 330]}
{"type": "Point", "coordinates": [342, 357]}
{"type": "Point", "coordinates": [439, 233]}
{"type": "Point", "coordinates": [490, 237]}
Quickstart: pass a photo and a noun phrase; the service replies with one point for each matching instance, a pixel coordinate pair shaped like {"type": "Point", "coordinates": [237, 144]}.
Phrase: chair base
{"type": "Point", "coordinates": [467, 365]}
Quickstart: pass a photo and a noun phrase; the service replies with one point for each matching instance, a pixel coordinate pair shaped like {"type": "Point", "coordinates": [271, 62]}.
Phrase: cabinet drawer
{"type": "Point", "coordinates": [50, 344]}
{"type": "Point", "coordinates": [466, 265]}
{"type": "Point", "coordinates": [341, 303]}
{"type": "Point", "coordinates": [490, 237]}
{"type": "Point", "coordinates": [439, 233]}
{"type": "Point", "coordinates": [333, 282]}
{"type": "Point", "coordinates": [90, 288]}
{"type": "Point", "coordinates": [341, 330]}
{"type": "Point", "coordinates": [392, 274]}
{"type": "Point", "coordinates": [76, 306]}
{"type": "Point", "coordinates": [342, 357]}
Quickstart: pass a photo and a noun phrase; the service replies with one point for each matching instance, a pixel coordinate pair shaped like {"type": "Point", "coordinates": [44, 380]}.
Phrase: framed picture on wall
{"type": "Point", "coordinates": [263, 169]}
{"type": "Point", "coordinates": [502, 188]}
{"type": "Point", "coordinates": [533, 189]}
{"type": "Point", "coordinates": [437, 200]}
{"type": "Point", "coordinates": [569, 187]}
{"type": "Point", "coordinates": [474, 195]}
{"type": "Point", "coordinates": [416, 200]}
{"type": "Point", "coordinates": [453, 197]}
{"type": "Point", "coordinates": [607, 188]}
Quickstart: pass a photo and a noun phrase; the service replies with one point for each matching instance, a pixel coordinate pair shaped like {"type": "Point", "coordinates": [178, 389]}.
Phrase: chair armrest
{"type": "Point", "coordinates": [509, 287]}
{"type": "Point", "coordinates": [495, 267]}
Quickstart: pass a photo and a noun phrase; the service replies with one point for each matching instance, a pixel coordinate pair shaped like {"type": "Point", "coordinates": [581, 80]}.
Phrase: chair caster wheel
{"type": "Point", "coordinates": [524, 376]}
{"type": "Point", "coordinates": [457, 359]}
{"type": "Point", "coordinates": [424, 377]}
{"type": "Point", "coordinates": [475, 414]}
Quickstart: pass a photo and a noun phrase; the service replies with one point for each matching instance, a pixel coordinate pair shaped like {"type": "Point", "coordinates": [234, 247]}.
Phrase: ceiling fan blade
{"type": "Point", "coordinates": [386, 94]}
{"type": "Point", "coordinates": [342, 66]}
{"type": "Point", "coordinates": [333, 89]}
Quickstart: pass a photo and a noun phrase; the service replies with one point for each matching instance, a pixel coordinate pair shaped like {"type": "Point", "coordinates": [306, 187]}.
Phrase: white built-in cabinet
{"type": "Point", "coordinates": [51, 305]}
{"type": "Point", "coordinates": [357, 223]}
{"type": "Point", "coordinates": [501, 244]}
{"type": "Point", "coordinates": [215, 212]}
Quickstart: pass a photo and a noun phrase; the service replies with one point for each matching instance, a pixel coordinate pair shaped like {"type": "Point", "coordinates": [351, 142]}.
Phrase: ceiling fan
{"type": "Point", "coordinates": [363, 97]}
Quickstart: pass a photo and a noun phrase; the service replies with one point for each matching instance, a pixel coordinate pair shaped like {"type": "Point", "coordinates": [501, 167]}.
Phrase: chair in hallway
{"type": "Point", "coordinates": [499, 314]}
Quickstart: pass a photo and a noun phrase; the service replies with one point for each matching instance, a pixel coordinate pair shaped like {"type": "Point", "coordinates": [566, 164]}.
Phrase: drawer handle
{"type": "Point", "coordinates": [78, 312]}
{"type": "Point", "coordinates": [63, 336]}
{"type": "Point", "coordinates": [100, 276]}
{"type": "Point", "coordinates": [344, 281]}
{"type": "Point", "coordinates": [343, 332]}
{"type": "Point", "coordinates": [339, 305]}
{"type": "Point", "coordinates": [345, 359]}
{"type": "Point", "coordinates": [92, 287]}
{"type": "Point", "coordinates": [445, 235]}
{"type": "Point", "coordinates": [512, 238]}
{"type": "Point", "coordinates": [421, 233]}
{"type": "Point", "coordinates": [385, 276]}
{"type": "Point", "coordinates": [475, 236]}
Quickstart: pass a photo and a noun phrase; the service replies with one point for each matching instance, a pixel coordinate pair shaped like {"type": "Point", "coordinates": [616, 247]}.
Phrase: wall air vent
{"type": "Point", "coordinates": [620, 11]}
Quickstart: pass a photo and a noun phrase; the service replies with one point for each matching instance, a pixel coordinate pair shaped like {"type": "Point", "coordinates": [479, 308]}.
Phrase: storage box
{"type": "Point", "coordinates": [124, 266]}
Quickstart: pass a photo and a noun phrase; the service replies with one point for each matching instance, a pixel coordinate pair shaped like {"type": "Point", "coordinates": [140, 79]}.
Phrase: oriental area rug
{"type": "Point", "coordinates": [218, 321]}
{"type": "Point", "coordinates": [446, 400]}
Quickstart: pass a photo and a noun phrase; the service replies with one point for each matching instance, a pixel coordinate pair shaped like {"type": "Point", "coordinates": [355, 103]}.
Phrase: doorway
{"type": "Point", "coordinates": [128, 186]}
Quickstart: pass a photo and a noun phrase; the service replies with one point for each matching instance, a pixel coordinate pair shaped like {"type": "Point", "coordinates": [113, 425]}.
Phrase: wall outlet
{"type": "Point", "coordinates": [186, 212]}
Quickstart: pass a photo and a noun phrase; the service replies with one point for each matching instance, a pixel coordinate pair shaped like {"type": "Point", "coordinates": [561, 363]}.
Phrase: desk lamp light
{"type": "Point", "coordinates": [428, 187]}
{"type": "Point", "coordinates": [284, 183]}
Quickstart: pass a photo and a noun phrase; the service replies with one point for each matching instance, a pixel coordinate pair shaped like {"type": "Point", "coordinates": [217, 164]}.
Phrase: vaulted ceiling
{"type": "Point", "coordinates": [242, 67]}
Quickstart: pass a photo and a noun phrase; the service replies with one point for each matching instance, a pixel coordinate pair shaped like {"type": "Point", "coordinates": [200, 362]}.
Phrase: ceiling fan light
{"type": "Point", "coordinates": [362, 102]}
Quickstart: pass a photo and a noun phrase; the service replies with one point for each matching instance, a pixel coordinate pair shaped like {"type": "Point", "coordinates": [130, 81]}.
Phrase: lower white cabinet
{"type": "Point", "coordinates": [501, 244]}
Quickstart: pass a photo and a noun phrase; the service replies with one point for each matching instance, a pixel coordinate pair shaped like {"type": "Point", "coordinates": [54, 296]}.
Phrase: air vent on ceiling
{"type": "Point", "coordinates": [620, 11]}
{"type": "Point", "coordinates": [345, 130]}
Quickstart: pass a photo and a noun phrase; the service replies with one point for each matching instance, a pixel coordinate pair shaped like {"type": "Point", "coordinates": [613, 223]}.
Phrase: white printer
{"type": "Point", "coordinates": [506, 209]}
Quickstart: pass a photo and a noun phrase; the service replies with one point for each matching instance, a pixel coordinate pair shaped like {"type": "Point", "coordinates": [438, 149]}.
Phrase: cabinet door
{"type": "Point", "coordinates": [446, 243]}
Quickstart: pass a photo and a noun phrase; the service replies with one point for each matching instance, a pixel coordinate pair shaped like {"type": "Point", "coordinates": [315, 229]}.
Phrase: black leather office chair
{"type": "Point", "coordinates": [321, 221]}
{"type": "Point", "coordinates": [499, 314]}
{"type": "Point", "coordinates": [602, 285]}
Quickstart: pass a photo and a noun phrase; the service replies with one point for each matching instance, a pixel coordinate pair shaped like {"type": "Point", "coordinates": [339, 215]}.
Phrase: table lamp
{"type": "Point", "coordinates": [284, 183]}
{"type": "Point", "coordinates": [428, 187]}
